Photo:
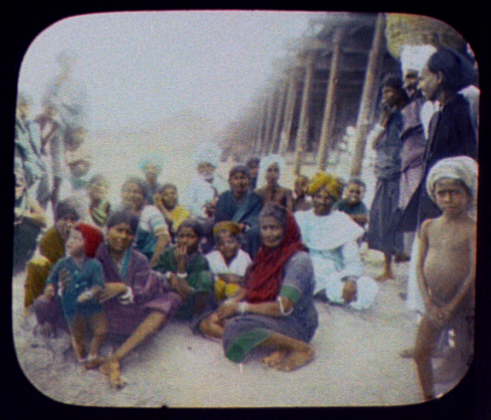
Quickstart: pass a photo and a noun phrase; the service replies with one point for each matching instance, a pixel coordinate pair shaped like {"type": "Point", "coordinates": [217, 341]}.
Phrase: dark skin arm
{"type": "Point", "coordinates": [272, 309]}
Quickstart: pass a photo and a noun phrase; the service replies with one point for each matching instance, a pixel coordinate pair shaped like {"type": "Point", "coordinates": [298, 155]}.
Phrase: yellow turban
{"type": "Point", "coordinates": [229, 226]}
{"type": "Point", "coordinates": [330, 182]}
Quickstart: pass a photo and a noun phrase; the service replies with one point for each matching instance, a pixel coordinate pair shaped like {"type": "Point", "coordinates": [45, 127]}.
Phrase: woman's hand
{"type": "Point", "coordinates": [227, 310]}
{"type": "Point", "coordinates": [112, 290]}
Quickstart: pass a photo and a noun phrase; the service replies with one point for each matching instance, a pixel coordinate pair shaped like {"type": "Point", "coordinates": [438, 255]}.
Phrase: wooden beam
{"type": "Point", "coordinates": [369, 94]}
{"type": "Point", "coordinates": [326, 130]}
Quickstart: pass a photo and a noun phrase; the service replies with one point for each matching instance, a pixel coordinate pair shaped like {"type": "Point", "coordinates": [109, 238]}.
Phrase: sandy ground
{"type": "Point", "coordinates": [356, 353]}
{"type": "Point", "coordinates": [356, 363]}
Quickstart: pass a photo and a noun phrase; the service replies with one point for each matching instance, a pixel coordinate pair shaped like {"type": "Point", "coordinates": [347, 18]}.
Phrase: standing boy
{"type": "Point", "coordinates": [446, 265]}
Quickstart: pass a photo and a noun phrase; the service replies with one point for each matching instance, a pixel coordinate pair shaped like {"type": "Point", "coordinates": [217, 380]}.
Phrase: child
{"type": "Point", "coordinates": [301, 201]}
{"type": "Point", "coordinates": [186, 269]}
{"type": "Point", "coordinates": [351, 203]}
{"type": "Point", "coordinates": [229, 263]}
{"type": "Point", "coordinates": [446, 264]}
{"type": "Point", "coordinates": [78, 280]}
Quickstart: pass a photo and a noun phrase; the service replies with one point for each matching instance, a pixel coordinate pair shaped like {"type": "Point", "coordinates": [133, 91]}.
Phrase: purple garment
{"type": "Point", "coordinates": [149, 292]}
{"type": "Point", "coordinates": [412, 152]}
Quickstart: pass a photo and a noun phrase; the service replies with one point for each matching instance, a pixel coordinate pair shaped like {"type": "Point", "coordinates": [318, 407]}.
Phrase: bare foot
{"type": "Point", "coordinates": [274, 358]}
{"type": "Point", "coordinates": [92, 363]}
{"type": "Point", "coordinates": [387, 275]}
{"type": "Point", "coordinates": [295, 360]}
{"type": "Point", "coordinates": [111, 369]}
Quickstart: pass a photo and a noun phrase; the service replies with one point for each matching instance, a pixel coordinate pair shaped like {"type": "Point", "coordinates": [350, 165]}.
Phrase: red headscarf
{"type": "Point", "coordinates": [266, 273]}
{"type": "Point", "coordinates": [92, 238]}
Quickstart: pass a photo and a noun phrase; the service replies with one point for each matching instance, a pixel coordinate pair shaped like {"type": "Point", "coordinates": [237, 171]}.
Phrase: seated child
{"type": "Point", "coordinates": [78, 281]}
{"type": "Point", "coordinates": [229, 263]}
{"type": "Point", "coordinates": [301, 201]}
{"type": "Point", "coordinates": [187, 270]}
{"type": "Point", "coordinates": [446, 265]}
{"type": "Point", "coordinates": [99, 206]}
{"type": "Point", "coordinates": [351, 203]}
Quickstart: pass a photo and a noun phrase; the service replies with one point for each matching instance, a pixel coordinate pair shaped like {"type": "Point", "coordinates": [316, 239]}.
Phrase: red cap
{"type": "Point", "coordinates": [93, 237]}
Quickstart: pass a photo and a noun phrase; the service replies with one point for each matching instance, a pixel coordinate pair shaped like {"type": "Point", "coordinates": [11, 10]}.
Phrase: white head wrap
{"type": "Point", "coordinates": [265, 163]}
{"type": "Point", "coordinates": [414, 57]}
{"type": "Point", "coordinates": [207, 153]}
{"type": "Point", "coordinates": [460, 167]}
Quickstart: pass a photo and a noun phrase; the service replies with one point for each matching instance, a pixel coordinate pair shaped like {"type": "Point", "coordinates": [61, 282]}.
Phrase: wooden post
{"type": "Point", "coordinates": [260, 129]}
{"type": "Point", "coordinates": [303, 126]}
{"type": "Point", "coordinates": [326, 137]}
{"type": "Point", "coordinates": [369, 94]}
{"type": "Point", "coordinates": [288, 116]}
{"type": "Point", "coordinates": [277, 120]}
{"type": "Point", "coordinates": [268, 123]}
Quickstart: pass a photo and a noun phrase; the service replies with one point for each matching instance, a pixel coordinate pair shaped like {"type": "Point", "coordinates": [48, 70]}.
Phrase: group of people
{"type": "Point", "coordinates": [426, 146]}
{"type": "Point", "coordinates": [243, 261]}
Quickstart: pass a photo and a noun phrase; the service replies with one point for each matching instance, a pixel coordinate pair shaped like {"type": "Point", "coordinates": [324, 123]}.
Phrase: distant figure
{"type": "Point", "coordinates": [168, 204]}
{"type": "Point", "coordinates": [351, 202]}
{"type": "Point", "coordinates": [269, 190]}
{"type": "Point", "coordinates": [205, 187]}
{"type": "Point", "coordinates": [75, 187]}
{"type": "Point", "coordinates": [242, 206]}
{"type": "Point", "coordinates": [382, 234]}
{"type": "Point", "coordinates": [301, 200]}
{"type": "Point", "coordinates": [446, 266]}
{"type": "Point", "coordinates": [28, 152]}
{"type": "Point", "coordinates": [29, 219]}
{"type": "Point", "coordinates": [253, 166]}
{"type": "Point", "coordinates": [78, 280]}
{"type": "Point", "coordinates": [151, 167]}
{"type": "Point", "coordinates": [99, 207]}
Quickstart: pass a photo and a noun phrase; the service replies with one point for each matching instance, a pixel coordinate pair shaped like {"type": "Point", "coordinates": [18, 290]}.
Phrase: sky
{"type": "Point", "coordinates": [143, 67]}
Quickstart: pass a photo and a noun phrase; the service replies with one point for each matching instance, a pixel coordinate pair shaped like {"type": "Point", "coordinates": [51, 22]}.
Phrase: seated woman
{"type": "Point", "coordinates": [153, 235]}
{"type": "Point", "coordinates": [276, 308]}
{"type": "Point", "coordinates": [99, 207]}
{"type": "Point", "coordinates": [167, 202]}
{"type": "Point", "coordinates": [136, 304]}
{"type": "Point", "coordinates": [186, 269]}
{"type": "Point", "coordinates": [242, 206]}
{"type": "Point", "coordinates": [331, 238]}
{"type": "Point", "coordinates": [29, 219]}
{"type": "Point", "coordinates": [270, 169]}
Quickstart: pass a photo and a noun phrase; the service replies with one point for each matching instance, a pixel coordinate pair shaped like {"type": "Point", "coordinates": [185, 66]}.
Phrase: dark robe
{"type": "Point", "coordinates": [451, 134]}
{"type": "Point", "coordinates": [245, 211]}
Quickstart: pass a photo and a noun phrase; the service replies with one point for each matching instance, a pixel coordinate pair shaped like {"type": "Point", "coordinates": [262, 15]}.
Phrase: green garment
{"type": "Point", "coordinates": [199, 277]}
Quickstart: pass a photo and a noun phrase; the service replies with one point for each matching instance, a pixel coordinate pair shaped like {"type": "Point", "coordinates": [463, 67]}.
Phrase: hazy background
{"type": "Point", "coordinates": [160, 82]}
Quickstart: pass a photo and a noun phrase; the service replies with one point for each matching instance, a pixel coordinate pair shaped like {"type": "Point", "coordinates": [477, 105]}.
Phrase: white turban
{"type": "Point", "coordinates": [460, 167]}
{"type": "Point", "coordinates": [415, 57]}
{"type": "Point", "coordinates": [207, 153]}
{"type": "Point", "coordinates": [265, 163]}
